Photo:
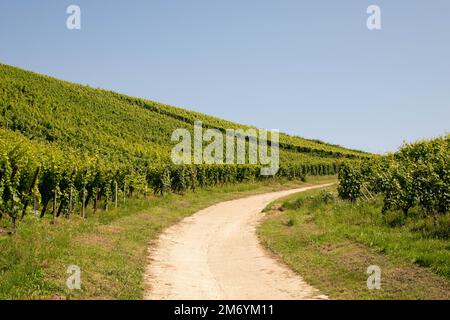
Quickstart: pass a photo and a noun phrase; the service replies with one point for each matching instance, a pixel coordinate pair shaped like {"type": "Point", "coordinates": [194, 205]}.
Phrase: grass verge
{"type": "Point", "coordinates": [331, 243]}
{"type": "Point", "coordinates": [110, 248]}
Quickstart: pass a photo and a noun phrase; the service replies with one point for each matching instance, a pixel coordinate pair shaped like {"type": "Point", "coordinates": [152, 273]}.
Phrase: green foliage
{"type": "Point", "coordinates": [65, 146]}
{"type": "Point", "coordinates": [418, 175]}
{"type": "Point", "coordinates": [333, 244]}
{"type": "Point", "coordinates": [437, 227]}
{"type": "Point", "coordinates": [350, 181]}
{"type": "Point", "coordinates": [115, 126]}
{"type": "Point", "coordinates": [293, 205]}
{"type": "Point", "coordinates": [326, 197]}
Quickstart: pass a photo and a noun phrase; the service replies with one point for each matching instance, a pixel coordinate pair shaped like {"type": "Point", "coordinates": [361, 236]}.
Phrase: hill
{"type": "Point", "coordinates": [75, 143]}
{"type": "Point", "coordinates": [108, 123]}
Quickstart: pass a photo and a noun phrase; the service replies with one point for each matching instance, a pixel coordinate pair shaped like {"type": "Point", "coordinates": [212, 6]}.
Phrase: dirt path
{"type": "Point", "coordinates": [215, 254]}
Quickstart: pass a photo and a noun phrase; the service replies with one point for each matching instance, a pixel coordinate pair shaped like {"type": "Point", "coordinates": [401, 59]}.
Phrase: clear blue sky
{"type": "Point", "coordinates": [306, 68]}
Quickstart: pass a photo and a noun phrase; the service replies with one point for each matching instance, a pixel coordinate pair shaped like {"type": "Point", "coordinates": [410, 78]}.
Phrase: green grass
{"type": "Point", "coordinates": [332, 244]}
{"type": "Point", "coordinates": [110, 247]}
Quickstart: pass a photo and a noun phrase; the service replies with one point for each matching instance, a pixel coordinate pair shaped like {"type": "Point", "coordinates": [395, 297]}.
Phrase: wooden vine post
{"type": "Point", "coordinates": [115, 197]}
{"type": "Point", "coordinates": [83, 209]}
{"type": "Point", "coordinates": [13, 215]}
{"type": "Point", "coordinates": [70, 201]}
{"type": "Point", "coordinates": [95, 200]}
{"type": "Point", "coordinates": [13, 209]}
{"type": "Point", "coordinates": [35, 209]}
{"type": "Point", "coordinates": [55, 198]}
{"type": "Point", "coordinates": [124, 191]}
{"type": "Point", "coordinates": [32, 187]}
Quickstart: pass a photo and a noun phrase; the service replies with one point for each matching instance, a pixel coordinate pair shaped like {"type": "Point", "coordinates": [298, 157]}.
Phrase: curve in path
{"type": "Point", "coordinates": [216, 254]}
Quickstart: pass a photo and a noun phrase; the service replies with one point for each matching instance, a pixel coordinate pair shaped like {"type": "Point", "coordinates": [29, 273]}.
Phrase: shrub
{"type": "Point", "coordinates": [433, 226]}
{"type": "Point", "coordinates": [417, 175]}
{"type": "Point", "coordinates": [394, 219]}
{"type": "Point", "coordinates": [350, 180]}
{"type": "Point", "coordinates": [293, 205]}
{"type": "Point", "coordinates": [326, 197]}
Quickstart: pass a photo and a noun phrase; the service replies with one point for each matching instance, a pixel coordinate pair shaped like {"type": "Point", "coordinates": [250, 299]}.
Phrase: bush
{"type": "Point", "coordinates": [293, 205]}
{"type": "Point", "coordinates": [350, 181]}
{"type": "Point", "coordinates": [433, 227]}
{"type": "Point", "coordinates": [326, 197]}
{"type": "Point", "coordinates": [394, 219]}
{"type": "Point", "coordinates": [417, 175]}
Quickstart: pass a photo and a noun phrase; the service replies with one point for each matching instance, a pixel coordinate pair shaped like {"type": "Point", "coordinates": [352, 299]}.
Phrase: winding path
{"type": "Point", "coordinates": [216, 254]}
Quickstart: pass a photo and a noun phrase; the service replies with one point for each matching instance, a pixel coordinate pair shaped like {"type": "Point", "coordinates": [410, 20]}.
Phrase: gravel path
{"type": "Point", "coordinates": [216, 254]}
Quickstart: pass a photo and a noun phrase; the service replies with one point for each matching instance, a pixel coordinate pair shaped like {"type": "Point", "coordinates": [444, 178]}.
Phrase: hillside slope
{"type": "Point", "coordinates": [111, 124]}
{"type": "Point", "coordinates": [66, 144]}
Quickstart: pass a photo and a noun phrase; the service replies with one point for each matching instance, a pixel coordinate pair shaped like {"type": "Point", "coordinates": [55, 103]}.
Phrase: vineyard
{"type": "Point", "coordinates": [391, 211]}
{"type": "Point", "coordinates": [415, 177]}
{"type": "Point", "coordinates": [64, 147]}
